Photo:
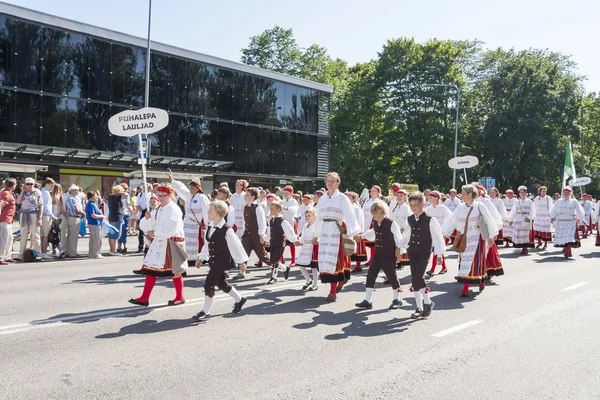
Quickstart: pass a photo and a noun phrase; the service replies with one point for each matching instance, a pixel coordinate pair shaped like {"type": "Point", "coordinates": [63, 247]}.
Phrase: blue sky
{"type": "Point", "coordinates": [354, 30]}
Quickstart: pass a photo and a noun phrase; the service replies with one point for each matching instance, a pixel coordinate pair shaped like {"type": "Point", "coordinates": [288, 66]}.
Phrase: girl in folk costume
{"type": "Point", "coordinates": [585, 224]}
{"type": "Point", "coordinates": [308, 255]}
{"type": "Point", "coordinates": [306, 204]}
{"type": "Point", "coordinates": [542, 227]}
{"type": "Point", "coordinates": [281, 232]}
{"type": "Point", "coordinates": [165, 255]}
{"type": "Point", "coordinates": [290, 212]}
{"type": "Point", "coordinates": [238, 201]}
{"type": "Point", "coordinates": [521, 217]}
{"type": "Point", "coordinates": [399, 214]}
{"type": "Point", "coordinates": [501, 208]}
{"type": "Point", "coordinates": [221, 248]}
{"type": "Point", "coordinates": [361, 248]}
{"type": "Point", "coordinates": [507, 229]}
{"type": "Point", "coordinates": [441, 213]}
{"type": "Point", "coordinates": [565, 214]}
{"type": "Point", "coordinates": [335, 216]}
{"type": "Point", "coordinates": [224, 195]}
{"type": "Point", "coordinates": [471, 262]}
{"type": "Point", "coordinates": [375, 193]}
{"type": "Point", "coordinates": [196, 215]}
{"type": "Point", "coordinates": [394, 189]}
{"type": "Point", "coordinates": [493, 264]}
{"type": "Point", "coordinates": [452, 203]}
{"type": "Point", "coordinates": [388, 239]}
{"type": "Point", "coordinates": [145, 223]}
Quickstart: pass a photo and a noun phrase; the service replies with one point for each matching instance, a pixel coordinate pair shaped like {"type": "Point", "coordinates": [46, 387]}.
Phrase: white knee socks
{"type": "Point", "coordinates": [305, 274]}
{"type": "Point", "coordinates": [419, 299]}
{"type": "Point", "coordinates": [369, 294]}
{"type": "Point", "coordinates": [208, 303]}
{"type": "Point", "coordinates": [235, 294]}
{"type": "Point", "coordinates": [426, 298]}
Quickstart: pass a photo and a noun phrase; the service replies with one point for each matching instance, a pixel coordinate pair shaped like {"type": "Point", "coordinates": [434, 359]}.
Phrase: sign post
{"type": "Point", "coordinates": [463, 163]}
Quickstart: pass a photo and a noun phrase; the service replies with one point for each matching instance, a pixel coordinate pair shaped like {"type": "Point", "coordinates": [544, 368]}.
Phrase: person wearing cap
{"type": "Point", "coordinates": [30, 216]}
{"type": "Point", "coordinates": [196, 215]}
{"type": "Point", "coordinates": [238, 201]}
{"type": "Point", "coordinates": [375, 194]}
{"type": "Point", "coordinates": [507, 230]}
{"type": "Point", "coordinates": [521, 217]}
{"type": "Point", "coordinates": [290, 212]}
{"type": "Point", "coordinates": [306, 204]}
{"type": "Point", "coordinates": [74, 211]}
{"type": "Point", "coordinates": [565, 215]}
{"type": "Point", "coordinates": [441, 213]}
{"type": "Point", "coordinates": [543, 227]}
{"type": "Point", "coordinates": [361, 249]}
{"type": "Point", "coordinates": [585, 224]}
{"type": "Point", "coordinates": [8, 209]}
{"type": "Point", "coordinates": [317, 196]}
{"type": "Point", "coordinates": [493, 264]}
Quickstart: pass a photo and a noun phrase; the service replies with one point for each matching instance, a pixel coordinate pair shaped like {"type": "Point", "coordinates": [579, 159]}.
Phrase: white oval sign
{"type": "Point", "coordinates": [143, 121]}
{"type": "Point", "coordinates": [581, 181]}
{"type": "Point", "coordinates": [463, 162]}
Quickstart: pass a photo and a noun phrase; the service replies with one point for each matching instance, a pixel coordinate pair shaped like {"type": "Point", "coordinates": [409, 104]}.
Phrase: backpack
{"type": "Point", "coordinates": [30, 255]}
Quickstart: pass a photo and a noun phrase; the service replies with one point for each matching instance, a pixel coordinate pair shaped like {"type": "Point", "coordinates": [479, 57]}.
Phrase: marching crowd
{"type": "Point", "coordinates": [328, 232]}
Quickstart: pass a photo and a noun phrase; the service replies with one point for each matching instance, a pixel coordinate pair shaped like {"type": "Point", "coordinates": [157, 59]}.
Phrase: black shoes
{"type": "Point", "coordinates": [175, 303]}
{"type": "Point", "coordinates": [271, 281]}
{"type": "Point", "coordinates": [286, 273]}
{"type": "Point", "coordinates": [364, 304]}
{"type": "Point", "coordinates": [417, 314]}
{"type": "Point", "coordinates": [429, 273]}
{"type": "Point", "coordinates": [237, 307]}
{"type": "Point", "coordinates": [427, 309]}
{"type": "Point", "coordinates": [396, 304]}
{"type": "Point", "coordinates": [139, 303]}
{"type": "Point", "coordinates": [308, 284]}
{"type": "Point", "coordinates": [137, 271]}
{"type": "Point", "coordinates": [201, 316]}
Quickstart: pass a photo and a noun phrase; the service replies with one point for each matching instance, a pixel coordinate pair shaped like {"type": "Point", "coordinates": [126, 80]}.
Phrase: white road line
{"type": "Point", "coordinates": [575, 286]}
{"type": "Point", "coordinates": [10, 329]}
{"type": "Point", "coordinates": [458, 328]}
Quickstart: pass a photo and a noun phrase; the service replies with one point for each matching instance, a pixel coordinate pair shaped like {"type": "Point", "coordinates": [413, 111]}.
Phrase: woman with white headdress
{"type": "Point", "coordinates": [565, 215]}
{"type": "Point", "coordinates": [507, 230]}
{"type": "Point", "coordinates": [543, 227]}
{"type": "Point", "coordinates": [521, 217]}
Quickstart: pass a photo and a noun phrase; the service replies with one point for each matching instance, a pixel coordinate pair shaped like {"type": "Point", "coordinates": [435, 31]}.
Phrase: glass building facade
{"type": "Point", "coordinates": [59, 87]}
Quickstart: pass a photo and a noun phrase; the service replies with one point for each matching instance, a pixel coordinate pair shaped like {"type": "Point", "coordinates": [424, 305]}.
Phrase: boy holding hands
{"type": "Point", "coordinates": [280, 231]}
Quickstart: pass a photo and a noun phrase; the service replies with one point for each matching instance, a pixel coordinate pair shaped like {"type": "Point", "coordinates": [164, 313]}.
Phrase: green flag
{"type": "Point", "coordinates": [569, 170]}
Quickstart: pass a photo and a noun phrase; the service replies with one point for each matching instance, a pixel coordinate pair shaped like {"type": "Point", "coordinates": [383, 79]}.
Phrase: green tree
{"type": "Point", "coordinates": [275, 49]}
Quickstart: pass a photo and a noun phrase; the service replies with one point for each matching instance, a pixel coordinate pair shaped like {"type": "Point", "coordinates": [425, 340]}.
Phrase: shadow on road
{"type": "Point", "coordinates": [149, 326]}
{"type": "Point", "coordinates": [591, 255]}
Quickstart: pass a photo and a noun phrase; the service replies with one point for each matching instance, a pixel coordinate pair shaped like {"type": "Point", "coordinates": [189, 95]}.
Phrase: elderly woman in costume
{"type": "Point", "coordinates": [196, 215]}
{"type": "Point", "coordinates": [521, 217]}
{"type": "Point", "coordinates": [471, 262]}
{"type": "Point", "coordinates": [166, 255]}
{"type": "Point", "coordinates": [565, 215]}
{"type": "Point", "coordinates": [238, 201]}
{"type": "Point", "coordinates": [335, 215]}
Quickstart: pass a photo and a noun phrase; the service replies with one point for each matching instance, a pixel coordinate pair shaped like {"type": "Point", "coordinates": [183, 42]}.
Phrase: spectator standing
{"type": "Point", "coordinates": [48, 216]}
{"type": "Point", "coordinates": [57, 210]}
{"type": "Point", "coordinates": [115, 216]}
{"type": "Point", "coordinates": [30, 216]}
{"type": "Point", "coordinates": [94, 220]}
{"type": "Point", "coordinates": [7, 213]}
{"type": "Point", "coordinates": [74, 212]}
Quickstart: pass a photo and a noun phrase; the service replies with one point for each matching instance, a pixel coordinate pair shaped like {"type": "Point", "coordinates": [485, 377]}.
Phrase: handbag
{"type": "Point", "coordinates": [178, 257]}
{"type": "Point", "coordinates": [460, 242]}
{"type": "Point", "coordinates": [348, 243]}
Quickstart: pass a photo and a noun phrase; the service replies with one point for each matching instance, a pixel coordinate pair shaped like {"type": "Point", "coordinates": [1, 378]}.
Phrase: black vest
{"type": "Point", "coordinates": [277, 234]}
{"type": "Point", "coordinates": [218, 251]}
{"type": "Point", "coordinates": [420, 235]}
{"type": "Point", "coordinates": [250, 221]}
{"type": "Point", "coordinates": [384, 242]}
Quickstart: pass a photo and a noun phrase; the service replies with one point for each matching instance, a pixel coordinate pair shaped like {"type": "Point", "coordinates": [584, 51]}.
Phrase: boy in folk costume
{"type": "Point", "coordinates": [361, 249]}
{"type": "Point", "coordinates": [281, 231]}
{"type": "Point", "coordinates": [374, 193]}
{"type": "Point", "coordinates": [493, 264]}
{"type": "Point", "coordinates": [166, 231]}
{"type": "Point", "coordinates": [221, 248]}
{"type": "Point", "coordinates": [306, 204]}
{"type": "Point", "coordinates": [542, 227]}
{"type": "Point", "coordinates": [308, 255]}
{"type": "Point", "coordinates": [441, 213]}
{"type": "Point", "coordinates": [501, 208]}
{"type": "Point", "coordinates": [196, 215]}
{"type": "Point", "coordinates": [388, 241]}
{"type": "Point", "coordinates": [290, 212]}
{"type": "Point", "coordinates": [423, 233]}
{"type": "Point", "coordinates": [507, 228]}
{"type": "Point", "coordinates": [521, 217]}
{"type": "Point", "coordinates": [565, 215]}
{"type": "Point", "coordinates": [255, 227]}
{"type": "Point", "coordinates": [238, 201]}
{"type": "Point", "coordinates": [466, 219]}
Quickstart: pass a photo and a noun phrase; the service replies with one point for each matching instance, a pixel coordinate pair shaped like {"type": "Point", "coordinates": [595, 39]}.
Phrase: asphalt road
{"type": "Point", "coordinates": [67, 332]}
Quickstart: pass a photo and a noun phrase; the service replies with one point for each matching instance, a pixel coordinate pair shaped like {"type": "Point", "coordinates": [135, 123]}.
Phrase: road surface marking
{"type": "Point", "coordinates": [575, 286]}
{"type": "Point", "coordinates": [458, 328]}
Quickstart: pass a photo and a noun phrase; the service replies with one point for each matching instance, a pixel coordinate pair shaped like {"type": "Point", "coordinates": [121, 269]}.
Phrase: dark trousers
{"type": "Point", "coordinates": [276, 253]}
{"type": "Point", "coordinates": [251, 241]}
{"type": "Point", "coordinates": [141, 235]}
{"type": "Point", "coordinates": [389, 269]}
{"type": "Point", "coordinates": [216, 277]}
{"type": "Point", "coordinates": [418, 266]}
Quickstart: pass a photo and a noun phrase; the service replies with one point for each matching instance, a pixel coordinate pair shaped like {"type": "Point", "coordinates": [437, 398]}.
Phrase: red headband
{"type": "Point", "coordinates": [271, 196]}
{"type": "Point", "coordinates": [288, 189]}
{"type": "Point", "coordinates": [395, 187]}
{"type": "Point", "coordinates": [568, 189]}
{"type": "Point", "coordinates": [434, 195]}
{"type": "Point", "coordinates": [402, 191]}
{"type": "Point", "coordinates": [376, 188]}
{"type": "Point", "coordinates": [319, 193]}
{"type": "Point", "coordinates": [164, 189]}
{"type": "Point", "coordinates": [307, 196]}
{"type": "Point", "coordinates": [244, 183]}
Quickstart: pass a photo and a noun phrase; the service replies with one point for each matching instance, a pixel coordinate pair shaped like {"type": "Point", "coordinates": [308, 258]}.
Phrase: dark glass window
{"type": "Point", "coordinates": [291, 107]}
{"type": "Point", "coordinates": [300, 154]}
{"type": "Point", "coordinates": [240, 96]}
{"type": "Point", "coordinates": [301, 117]}
{"type": "Point", "coordinates": [159, 81]}
{"type": "Point", "coordinates": [289, 146]}
{"type": "Point", "coordinates": [138, 77]}
{"type": "Point", "coordinates": [176, 139]}
{"type": "Point", "coordinates": [252, 149]}
{"type": "Point", "coordinates": [27, 118]}
{"type": "Point", "coordinates": [225, 142]}
{"type": "Point", "coordinates": [28, 50]}
{"type": "Point", "coordinates": [239, 148]}
{"type": "Point", "coordinates": [99, 69]}
{"type": "Point", "coordinates": [208, 90]}
{"type": "Point", "coordinates": [99, 135]}
{"type": "Point", "coordinates": [53, 122]}
{"type": "Point", "coordinates": [76, 124]}
{"type": "Point", "coordinates": [7, 52]}
{"type": "Point", "coordinates": [264, 151]}
{"type": "Point", "coordinates": [194, 88]}
{"type": "Point", "coordinates": [7, 115]}
{"type": "Point", "coordinates": [119, 144]}
{"type": "Point", "coordinates": [54, 61]}
{"type": "Point", "coordinates": [253, 98]}
{"type": "Point", "coordinates": [77, 82]}
{"type": "Point", "coordinates": [177, 86]}
{"type": "Point", "coordinates": [121, 74]}
{"type": "Point", "coordinates": [201, 139]}
{"type": "Point", "coordinates": [159, 141]}
{"type": "Point", "coordinates": [224, 108]}
{"type": "Point", "coordinates": [280, 103]}
{"type": "Point", "coordinates": [277, 150]}
{"type": "Point", "coordinates": [311, 159]}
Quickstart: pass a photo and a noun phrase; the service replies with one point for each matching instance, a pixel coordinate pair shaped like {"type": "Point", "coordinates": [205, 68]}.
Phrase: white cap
{"type": "Point", "coordinates": [522, 188]}
{"type": "Point", "coordinates": [224, 184]}
{"type": "Point", "coordinates": [73, 187]}
{"type": "Point", "coordinates": [30, 180]}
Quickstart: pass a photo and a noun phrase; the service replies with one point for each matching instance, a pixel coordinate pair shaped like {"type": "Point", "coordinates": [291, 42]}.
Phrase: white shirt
{"type": "Point", "coordinates": [338, 207]}
{"type": "Point", "coordinates": [141, 201]}
{"type": "Point", "coordinates": [452, 203]}
{"type": "Point", "coordinates": [260, 218]}
{"type": "Point", "coordinates": [370, 235]}
{"type": "Point", "coordinates": [233, 244]}
{"type": "Point", "coordinates": [231, 216]}
{"type": "Point", "coordinates": [440, 212]}
{"type": "Point", "coordinates": [47, 202]}
{"type": "Point", "coordinates": [292, 209]}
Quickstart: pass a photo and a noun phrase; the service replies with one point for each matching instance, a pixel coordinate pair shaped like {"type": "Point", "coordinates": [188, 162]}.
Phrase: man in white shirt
{"type": "Point", "coordinates": [47, 216]}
